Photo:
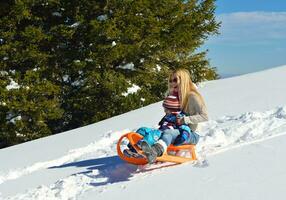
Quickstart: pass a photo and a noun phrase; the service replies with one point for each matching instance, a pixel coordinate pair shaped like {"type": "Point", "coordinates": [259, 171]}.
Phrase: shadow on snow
{"type": "Point", "coordinates": [108, 169]}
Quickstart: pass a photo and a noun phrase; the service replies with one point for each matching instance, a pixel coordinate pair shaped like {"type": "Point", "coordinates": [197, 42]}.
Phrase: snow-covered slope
{"type": "Point", "coordinates": [241, 152]}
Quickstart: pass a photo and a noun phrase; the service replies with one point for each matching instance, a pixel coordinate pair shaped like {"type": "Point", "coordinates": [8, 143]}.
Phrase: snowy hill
{"type": "Point", "coordinates": [241, 152]}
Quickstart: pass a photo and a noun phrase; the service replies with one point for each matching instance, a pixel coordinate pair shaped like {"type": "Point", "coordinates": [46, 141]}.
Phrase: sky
{"type": "Point", "coordinates": [241, 152]}
{"type": "Point", "coordinates": [252, 36]}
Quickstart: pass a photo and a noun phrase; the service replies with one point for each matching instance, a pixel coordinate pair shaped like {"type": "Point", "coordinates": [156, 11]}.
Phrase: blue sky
{"type": "Point", "coordinates": [252, 36]}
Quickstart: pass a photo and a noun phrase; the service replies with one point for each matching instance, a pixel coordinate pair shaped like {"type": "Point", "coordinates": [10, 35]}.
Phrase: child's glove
{"type": "Point", "coordinates": [182, 138]}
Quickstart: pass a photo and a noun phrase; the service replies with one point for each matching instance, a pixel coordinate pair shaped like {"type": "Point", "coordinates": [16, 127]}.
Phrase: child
{"type": "Point", "coordinates": [171, 133]}
{"type": "Point", "coordinates": [151, 136]}
{"type": "Point", "coordinates": [172, 111]}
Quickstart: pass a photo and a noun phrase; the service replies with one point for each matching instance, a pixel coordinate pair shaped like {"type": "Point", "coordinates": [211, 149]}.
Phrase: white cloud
{"type": "Point", "coordinates": [254, 17]}
{"type": "Point", "coordinates": [251, 28]}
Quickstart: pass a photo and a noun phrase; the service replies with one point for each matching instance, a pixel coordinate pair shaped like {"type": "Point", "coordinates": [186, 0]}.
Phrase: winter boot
{"type": "Point", "coordinates": [153, 152]}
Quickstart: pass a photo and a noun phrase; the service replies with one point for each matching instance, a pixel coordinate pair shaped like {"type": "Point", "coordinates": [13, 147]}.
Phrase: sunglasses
{"type": "Point", "coordinates": [174, 80]}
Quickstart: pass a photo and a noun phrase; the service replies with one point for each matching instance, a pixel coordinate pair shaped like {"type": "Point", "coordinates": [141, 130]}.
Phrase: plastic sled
{"type": "Point", "coordinates": [133, 138]}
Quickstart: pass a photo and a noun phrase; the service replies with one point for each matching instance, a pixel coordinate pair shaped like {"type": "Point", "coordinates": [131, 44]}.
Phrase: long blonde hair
{"type": "Point", "coordinates": [186, 87]}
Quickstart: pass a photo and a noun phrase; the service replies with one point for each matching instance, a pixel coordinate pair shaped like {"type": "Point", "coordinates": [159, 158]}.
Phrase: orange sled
{"type": "Point", "coordinates": [133, 138]}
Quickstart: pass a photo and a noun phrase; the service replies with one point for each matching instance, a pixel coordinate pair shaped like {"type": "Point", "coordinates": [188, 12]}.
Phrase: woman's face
{"type": "Point", "coordinates": [174, 83]}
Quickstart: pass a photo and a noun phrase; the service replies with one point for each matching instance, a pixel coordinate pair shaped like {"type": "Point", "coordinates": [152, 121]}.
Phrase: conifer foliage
{"type": "Point", "coordinates": [69, 63]}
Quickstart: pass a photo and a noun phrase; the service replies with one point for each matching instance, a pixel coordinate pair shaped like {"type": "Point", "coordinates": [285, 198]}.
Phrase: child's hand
{"type": "Point", "coordinates": [179, 121]}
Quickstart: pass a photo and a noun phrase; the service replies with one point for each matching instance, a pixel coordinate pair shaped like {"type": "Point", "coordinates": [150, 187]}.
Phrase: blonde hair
{"type": "Point", "coordinates": [186, 87]}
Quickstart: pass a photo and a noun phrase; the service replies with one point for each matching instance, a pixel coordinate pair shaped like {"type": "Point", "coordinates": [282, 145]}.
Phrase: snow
{"type": "Point", "coordinates": [57, 14]}
{"type": "Point", "coordinates": [241, 152]}
{"type": "Point", "coordinates": [131, 90]}
{"type": "Point", "coordinates": [129, 66]}
{"type": "Point", "coordinates": [15, 119]}
{"type": "Point", "coordinates": [74, 25]}
{"type": "Point", "coordinates": [158, 67]}
{"type": "Point", "coordinates": [102, 17]}
{"type": "Point", "coordinates": [12, 85]}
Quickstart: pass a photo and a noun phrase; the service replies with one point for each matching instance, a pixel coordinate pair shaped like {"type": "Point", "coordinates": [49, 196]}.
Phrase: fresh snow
{"type": "Point", "coordinates": [241, 152]}
{"type": "Point", "coordinates": [12, 85]}
{"type": "Point", "coordinates": [133, 89]}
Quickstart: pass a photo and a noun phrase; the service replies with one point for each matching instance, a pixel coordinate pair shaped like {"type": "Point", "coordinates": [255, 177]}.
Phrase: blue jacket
{"type": "Point", "coordinates": [151, 135]}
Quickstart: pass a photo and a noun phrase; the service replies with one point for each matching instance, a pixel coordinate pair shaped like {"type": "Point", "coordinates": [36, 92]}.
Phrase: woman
{"type": "Point", "coordinates": [191, 103]}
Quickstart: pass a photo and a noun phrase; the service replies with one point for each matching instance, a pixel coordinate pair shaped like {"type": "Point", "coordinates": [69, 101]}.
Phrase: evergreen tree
{"type": "Point", "coordinates": [69, 63]}
{"type": "Point", "coordinates": [29, 99]}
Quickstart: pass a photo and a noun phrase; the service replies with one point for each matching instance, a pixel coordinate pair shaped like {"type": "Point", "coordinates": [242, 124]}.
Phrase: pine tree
{"type": "Point", "coordinates": [29, 99]}
{"type": "Point", "coordinates": [138, 42]}
{"type": "Point", "coordinates": [69, 63]}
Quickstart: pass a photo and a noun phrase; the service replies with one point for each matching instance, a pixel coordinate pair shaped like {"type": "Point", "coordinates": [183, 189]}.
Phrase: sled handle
{"type": "Point", "coordinates": [133, 139]}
